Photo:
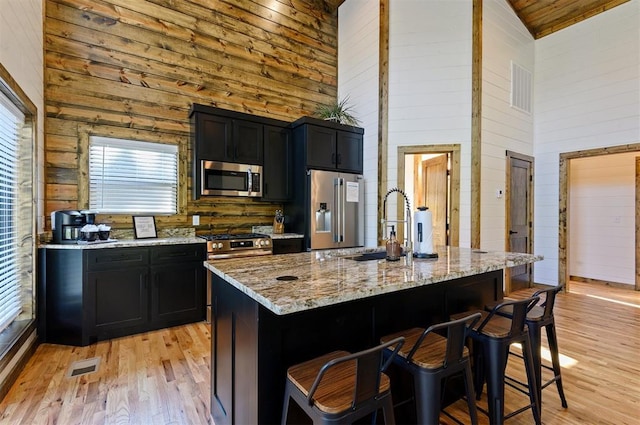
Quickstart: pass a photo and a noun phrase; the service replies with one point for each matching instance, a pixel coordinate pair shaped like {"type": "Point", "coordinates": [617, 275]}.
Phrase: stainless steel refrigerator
{"type": "Point", "coordinates": [331, 213]}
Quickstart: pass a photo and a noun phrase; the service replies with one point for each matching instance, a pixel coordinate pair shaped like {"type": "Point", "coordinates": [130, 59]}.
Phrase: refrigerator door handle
{"type": "Point", "coordinates": [335, 225]}
{"type": "Point", "coordinates": [343, 209]}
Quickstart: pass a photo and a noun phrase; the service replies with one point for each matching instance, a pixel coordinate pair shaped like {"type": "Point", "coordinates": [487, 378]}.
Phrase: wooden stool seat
{"type": "Point", "coordinates": [431, 359]}
{"type": "Point", "coordinates": [335, 392]}
{"type": "Point", "coordinates": [498, 327]}
{"type": "Point", "coordinates": [340, 387]}
{"type": "Point", "coordinates": [492, 336]}
{"type": "Point", "coordinates": [432, 352]}
{"type": "Point", "coordinates": [541, 316]}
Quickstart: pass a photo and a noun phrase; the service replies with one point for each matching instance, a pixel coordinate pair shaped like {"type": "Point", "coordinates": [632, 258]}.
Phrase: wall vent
{"type": "Point", "coordinates": [521, 89]}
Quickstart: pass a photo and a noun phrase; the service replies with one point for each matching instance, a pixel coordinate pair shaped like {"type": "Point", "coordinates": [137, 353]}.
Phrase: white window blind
{"type": "Point", "coordinates": [131, 177]}
{"type": "Point", "coordinates": [11, 121]}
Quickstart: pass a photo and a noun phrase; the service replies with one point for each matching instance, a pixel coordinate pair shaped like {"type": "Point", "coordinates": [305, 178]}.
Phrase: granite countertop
{"type": "Point", "coordinates": [125, 243]}
{"type": "Point", "coordinates": [268, 230]}
{"type": "Point", "coordinates": [333, 276]}
{"type": "Point", "coordinates": [285, 235]}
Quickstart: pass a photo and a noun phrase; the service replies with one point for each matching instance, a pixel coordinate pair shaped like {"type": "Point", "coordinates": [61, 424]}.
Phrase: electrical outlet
{"type": "Point", "coordinates": [196, 220]}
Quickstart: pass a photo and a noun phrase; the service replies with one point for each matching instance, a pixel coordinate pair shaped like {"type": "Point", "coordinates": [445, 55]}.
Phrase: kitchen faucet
{"type": "Point", "coordinates": [407, 221]}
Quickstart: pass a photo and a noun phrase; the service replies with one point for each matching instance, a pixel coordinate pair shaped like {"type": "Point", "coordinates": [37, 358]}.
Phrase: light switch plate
{"type": "Point", "coordinates": [196, 220]}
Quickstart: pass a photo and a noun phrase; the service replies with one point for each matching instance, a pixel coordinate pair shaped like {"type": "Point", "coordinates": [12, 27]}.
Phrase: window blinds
{"type": "Point", "coordinates": [132, 177]}
{"type": "Point", "coordinates": [11, 121]}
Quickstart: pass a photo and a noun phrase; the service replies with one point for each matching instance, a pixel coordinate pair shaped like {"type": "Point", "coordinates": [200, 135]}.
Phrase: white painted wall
{"type": "Point", "coordinates": [430, 85]}
{"type": "Point", "coordinates": [505, 39]}
{"type": "Point", "coordinates": [358, 56]}
{"type": "Point", "coordinates": [21, 48]}
{"type": "Point", "coordinates": [602, 217]}
{"type": "Point", "coordinates": [587, 95]}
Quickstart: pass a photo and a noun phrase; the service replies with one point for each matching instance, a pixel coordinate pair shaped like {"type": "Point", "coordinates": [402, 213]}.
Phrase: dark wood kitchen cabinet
{"type": "Point", "coordinates": [277, 164]}
{"type": "Point", "coordinates": [88, 295]}
{"type": "Point", "coordinates": [228, 140]}
{"type": "Point", "coordinates": [328, 146]}
{"type": "Point", "coordinates": [230, 136]}
{"type": "Point", "coordinates": [173, 301]}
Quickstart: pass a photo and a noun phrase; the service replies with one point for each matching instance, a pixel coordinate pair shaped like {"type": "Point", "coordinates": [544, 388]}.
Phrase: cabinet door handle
{"type": "Point", "coordinates": [339, 159]}
{"type": "Point", "coordinates": [333, 158]}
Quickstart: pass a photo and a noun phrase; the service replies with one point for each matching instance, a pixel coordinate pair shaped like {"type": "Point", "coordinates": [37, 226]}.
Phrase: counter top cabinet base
{"type": "Point", "coordinates": [90, 295]}
{"type": "Point", "coordinates": [253, 347]}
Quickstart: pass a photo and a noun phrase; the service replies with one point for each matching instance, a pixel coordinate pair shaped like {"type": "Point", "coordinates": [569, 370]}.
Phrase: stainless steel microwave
{"type": "Point", "coordinates": [230, 179]}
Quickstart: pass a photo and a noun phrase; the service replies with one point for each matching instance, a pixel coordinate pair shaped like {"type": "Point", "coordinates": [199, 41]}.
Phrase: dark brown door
{"type": "Point", "coordinates": [435, 176]}
{"type": "Point", "coordinates": [519, 216]}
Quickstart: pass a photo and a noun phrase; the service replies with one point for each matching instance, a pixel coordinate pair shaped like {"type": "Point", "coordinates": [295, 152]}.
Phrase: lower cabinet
{"type": "Point", "coordinates": [287, 246]}
{"type": "Point", "coordinates": [118, 300]}
{"type": "Point", "coordinates": [171, 303]}
{"type": "Point", "coordinates": [87, 295]}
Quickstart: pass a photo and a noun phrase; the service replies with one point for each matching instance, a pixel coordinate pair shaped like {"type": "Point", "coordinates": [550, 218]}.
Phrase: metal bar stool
{"type": "Point", "coordinates": [541, 316]}
{"type": "Point", "coordinates": [492, 338]}
{"type": "Point", "coordinates": [339, 387]}
{"type": "Point", "coordinates": [431, 359]}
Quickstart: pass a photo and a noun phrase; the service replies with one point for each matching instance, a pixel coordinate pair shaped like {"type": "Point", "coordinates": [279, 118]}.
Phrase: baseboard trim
{"type": "Point", "coordinates": [601, 282]}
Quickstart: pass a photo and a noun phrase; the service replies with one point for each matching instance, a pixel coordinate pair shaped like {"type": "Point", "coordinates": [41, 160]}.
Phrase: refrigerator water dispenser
{"type": "Point", "coordinates": [323, 219]}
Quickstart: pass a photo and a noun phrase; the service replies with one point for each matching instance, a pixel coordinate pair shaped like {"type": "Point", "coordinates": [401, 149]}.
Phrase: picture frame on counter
{"type": "Point", "coordinates": [144, 227]}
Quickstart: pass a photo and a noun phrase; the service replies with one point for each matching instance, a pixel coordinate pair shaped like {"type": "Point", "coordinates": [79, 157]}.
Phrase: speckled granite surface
{"type": "Point", "coordinates": [126, 243]}
{"type": "Point", "coordinates": [268, 230]}
{"type": "Point", "coordinates": [331, 277]}
{"type": "Point", "coordinates": [286, 235]}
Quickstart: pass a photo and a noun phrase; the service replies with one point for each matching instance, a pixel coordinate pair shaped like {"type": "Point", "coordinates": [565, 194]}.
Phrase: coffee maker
{"type": "Point", "coordinates": [66, 225]}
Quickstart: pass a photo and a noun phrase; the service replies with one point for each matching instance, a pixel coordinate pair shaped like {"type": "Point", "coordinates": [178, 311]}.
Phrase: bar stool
{"type": "Point", "coordinates": [541, 316]}
{"type": "Point", "coordinates": [492, 338]}
{"type": "Point", "coordinates": [339, 387]}
{"type": "Point", "coordinates": [432, 358]}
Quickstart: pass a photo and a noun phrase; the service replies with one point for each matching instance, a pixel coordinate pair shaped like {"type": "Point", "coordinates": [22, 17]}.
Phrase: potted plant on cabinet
{"type": "Point", "coordinates": [339, 111]}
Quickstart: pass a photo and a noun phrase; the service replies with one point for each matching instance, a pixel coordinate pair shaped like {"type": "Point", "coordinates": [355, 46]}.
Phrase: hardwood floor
{"type": "Point", "coordinates": [159, 377]}
{"type": "Point", "coordinates": [598, 331]}
{"type": "Point", "coordinates": [162, 377]}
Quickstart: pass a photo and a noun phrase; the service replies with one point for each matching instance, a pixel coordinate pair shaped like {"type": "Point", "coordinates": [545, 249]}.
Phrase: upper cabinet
{"type": "Point", "coordinates": [278, 153]}
{"type": "Point", "coordinates": [328, 146]}
{"type": "Point", "coordinates": [228, 136]}
{"type": "Point", "coordinates": [225, 139]}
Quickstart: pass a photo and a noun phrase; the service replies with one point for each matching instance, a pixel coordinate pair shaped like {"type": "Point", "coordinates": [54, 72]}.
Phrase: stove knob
{"type": "Point", "coordinates": [266, 242]}
{"type": "Point", "coordinates": [219, 245]}
{"type": "Point", "coordinates": [261, 243]}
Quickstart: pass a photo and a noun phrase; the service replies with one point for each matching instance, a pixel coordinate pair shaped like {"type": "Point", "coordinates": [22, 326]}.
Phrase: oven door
{"type": "Point", "coordinates": [229, 179]}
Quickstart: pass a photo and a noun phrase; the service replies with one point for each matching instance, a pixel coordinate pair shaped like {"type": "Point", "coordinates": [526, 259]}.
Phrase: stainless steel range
{"type": "Point", "coordinates": [237, 245]}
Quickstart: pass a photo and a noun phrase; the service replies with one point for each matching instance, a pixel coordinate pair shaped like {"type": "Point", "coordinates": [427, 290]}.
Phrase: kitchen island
{"type": "Point", "coordinates": [274, 311]}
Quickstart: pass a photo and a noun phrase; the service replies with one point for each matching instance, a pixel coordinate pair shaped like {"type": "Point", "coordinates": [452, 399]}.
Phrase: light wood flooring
{"type": "Point", "coordinates": [162, 377]}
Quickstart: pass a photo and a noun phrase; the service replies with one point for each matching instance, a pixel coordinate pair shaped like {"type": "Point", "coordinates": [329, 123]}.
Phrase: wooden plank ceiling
{"type": "Point", "coordinates": [543, 17]}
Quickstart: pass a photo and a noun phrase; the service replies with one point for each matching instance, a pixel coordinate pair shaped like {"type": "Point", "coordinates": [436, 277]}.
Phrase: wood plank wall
{"type": "Point", "coordinates": [132, 69]}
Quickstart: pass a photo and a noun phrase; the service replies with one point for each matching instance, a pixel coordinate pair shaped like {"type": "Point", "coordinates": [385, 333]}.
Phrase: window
{"type": "Point", "coordinates": [11, 121]}
{"type": "Point", "coordinates": [132, 177]}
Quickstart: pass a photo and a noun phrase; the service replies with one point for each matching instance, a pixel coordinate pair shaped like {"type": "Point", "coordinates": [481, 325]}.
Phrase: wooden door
{"type": "Point", "coordinates": [435, 187]}
{"type": "Point", "coordinates": [519, 212]}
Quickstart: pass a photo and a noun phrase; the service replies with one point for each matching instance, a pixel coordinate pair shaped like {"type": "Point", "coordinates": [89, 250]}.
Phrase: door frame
{"type": "Point", "coordinates": [454, 189]}
{"type": "Point", "coordinates": [637, 286]}
{"type": "Point", "coordinates": [563, 204]}
{"type": "Point", "coordinates": [507, 210]}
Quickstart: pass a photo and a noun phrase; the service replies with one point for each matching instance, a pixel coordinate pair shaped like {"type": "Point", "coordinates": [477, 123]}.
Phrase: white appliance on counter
{"type": "Point", "coordinates": [331, 212]}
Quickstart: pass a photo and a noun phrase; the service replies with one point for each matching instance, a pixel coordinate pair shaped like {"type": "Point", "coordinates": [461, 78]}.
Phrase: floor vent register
{"type": "Point", "coordinates": [83, 367]}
